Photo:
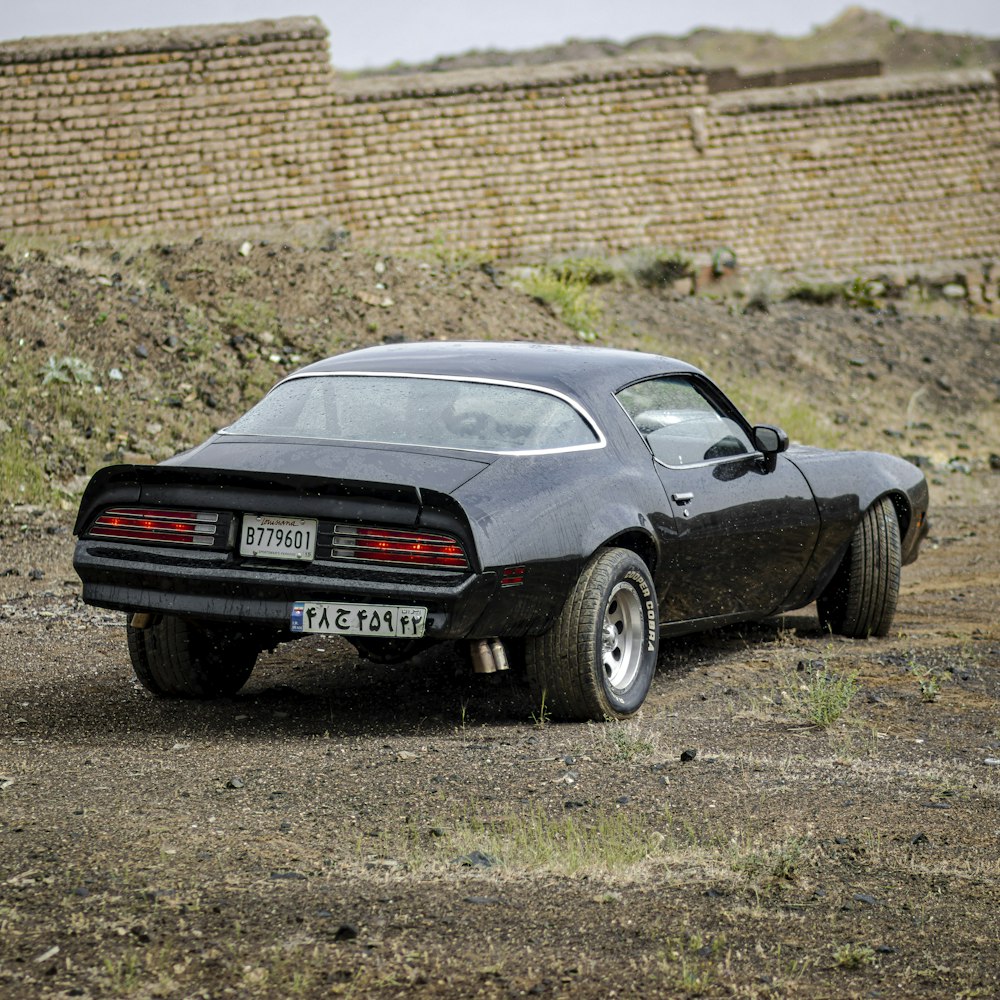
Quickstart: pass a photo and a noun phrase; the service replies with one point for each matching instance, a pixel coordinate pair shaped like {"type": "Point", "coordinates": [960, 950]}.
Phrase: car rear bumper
{"type": "Point", "coordinates": [213, 585]}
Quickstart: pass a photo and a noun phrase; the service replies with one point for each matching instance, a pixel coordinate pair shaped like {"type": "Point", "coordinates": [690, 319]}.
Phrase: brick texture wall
{"type": "Point", "coordinates": [248, 124]}
{"type": "Point", "coordinates": [556, 156]}
{"type": "Point", "coordinates": [145, 130]}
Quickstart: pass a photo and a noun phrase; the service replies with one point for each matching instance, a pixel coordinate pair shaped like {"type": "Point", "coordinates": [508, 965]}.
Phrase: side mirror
{"type": "Point", "coordinates": [771, 441]}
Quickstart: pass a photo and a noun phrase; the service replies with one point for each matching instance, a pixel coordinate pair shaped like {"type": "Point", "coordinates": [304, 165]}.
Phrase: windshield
{"type": "Point", "coordinates": [431, 412]}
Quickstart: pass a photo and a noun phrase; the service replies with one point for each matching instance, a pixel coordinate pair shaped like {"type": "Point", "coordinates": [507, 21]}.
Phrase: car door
{"type": "Point", "coordinates": [736, 530]}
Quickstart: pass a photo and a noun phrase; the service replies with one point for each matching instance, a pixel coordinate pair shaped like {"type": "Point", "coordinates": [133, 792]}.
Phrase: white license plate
{"type": "Point", "coordinates": [271, 536]}
{"type": "Point", "coordinates": [379, 621]}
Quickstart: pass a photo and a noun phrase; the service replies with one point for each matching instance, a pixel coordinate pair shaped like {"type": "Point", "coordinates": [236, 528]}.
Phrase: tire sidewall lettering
{"type": "Point", "coordinates": [649, 605]}
{"type": "Point", "coordinates": [640, 582]}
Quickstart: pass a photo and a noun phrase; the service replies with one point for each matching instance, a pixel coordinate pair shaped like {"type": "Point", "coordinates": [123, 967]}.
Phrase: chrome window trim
{"type": "Point", "coordinates": [756, 455]}
{"type": "Point", "coordinates": [591, 423]}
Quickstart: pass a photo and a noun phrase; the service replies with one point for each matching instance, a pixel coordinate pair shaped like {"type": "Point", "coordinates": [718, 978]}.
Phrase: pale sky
{"type": "Point", "coordinates": [378, 32]}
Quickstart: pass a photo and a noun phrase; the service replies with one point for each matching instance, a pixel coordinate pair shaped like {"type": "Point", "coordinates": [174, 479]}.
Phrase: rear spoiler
{"type": "Point", "coordinates": [151, 484]}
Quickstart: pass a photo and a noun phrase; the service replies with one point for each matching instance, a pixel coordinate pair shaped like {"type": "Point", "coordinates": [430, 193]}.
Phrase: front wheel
{"type": "Point", "coordinates": [598, 659]}
{"type": "Point", "coordinates": [183, 658]}
{"type": "Point", "coordinates": [860, 600]}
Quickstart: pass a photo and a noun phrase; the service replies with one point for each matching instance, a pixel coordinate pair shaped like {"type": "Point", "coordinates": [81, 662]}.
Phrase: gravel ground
{"type": "Point", "coordinates": [346, 829]}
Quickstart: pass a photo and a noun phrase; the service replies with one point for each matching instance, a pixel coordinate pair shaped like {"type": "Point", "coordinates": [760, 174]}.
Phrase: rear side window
{"type": "Point", "coordinates": [681, 424]}
{"type": "Point", "coordinates": [422, 411]}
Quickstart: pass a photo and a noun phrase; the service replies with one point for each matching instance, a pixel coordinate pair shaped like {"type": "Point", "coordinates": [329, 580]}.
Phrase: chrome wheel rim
{"type": "Point", "coordinates": [622, 633]}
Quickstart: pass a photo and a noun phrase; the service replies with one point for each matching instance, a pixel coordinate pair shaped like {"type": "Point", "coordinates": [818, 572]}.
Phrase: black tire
{"type": "Point", "coordinates": [860, 600]}
{"type": "Point", "coordinates": [598, 659]}
{"type": "Point", "coordinates": [182, 658]}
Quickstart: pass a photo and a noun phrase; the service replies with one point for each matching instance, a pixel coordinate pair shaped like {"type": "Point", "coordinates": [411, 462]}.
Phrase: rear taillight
{"type": "Point", "coordinates": [398, 546]}
{"type": "Point", "coordinates": [151, 524]}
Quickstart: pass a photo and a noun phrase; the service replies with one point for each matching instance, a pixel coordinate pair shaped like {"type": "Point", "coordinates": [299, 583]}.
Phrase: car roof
{"type": "Point", "coordinates": [579, 370]}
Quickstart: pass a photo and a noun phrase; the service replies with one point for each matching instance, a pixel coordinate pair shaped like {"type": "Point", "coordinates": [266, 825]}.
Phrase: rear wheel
{"type": "Point", "coordinates": [860, 600]}
{"type": "Point", "coordinates": [183, 658]}
{"type": "Point", "coordinates": [598, 659]}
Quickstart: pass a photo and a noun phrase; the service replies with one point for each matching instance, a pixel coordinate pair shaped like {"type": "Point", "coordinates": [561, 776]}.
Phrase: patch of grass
{"type": "Point", "coordinates": [249, 316]}
{"type": "Point", "coordinates": [763, 290]}
{"type": "Point", "coordinates": [653, 267]}
{"type": "Point", "coordinates": [606, 841]}
{"type": "Point", "coordinates": [695, 964]}
{"type": "Point", "coordinates": [451, 257]}
{"type": "Point", "coordinates": [859, 292]}
{"type": "Point", "coordinates": [821, 293]}
{"type": "Point", "coordinates": [578, 841]}
{"type": "Point", "coordinates": [570, 298]}
{"type": "Point", "coordinates": [825, 697]}
{"type": "Point", "coordinates": [124, 974]}
{"type": "Point", "coordinates": [626, 742]}
{"type": "Point", "coordinates": [854, 956]}
{"type": "Point", "coordinates": [22, 478]}
{"type": "Point", "coordinates": [586, 270]}
{"type": "Point", "coordinates": [773, 867]}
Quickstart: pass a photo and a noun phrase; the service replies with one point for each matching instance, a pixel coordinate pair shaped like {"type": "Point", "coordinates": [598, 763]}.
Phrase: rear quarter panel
{"type": "Point", "coordinates": [550, 513]}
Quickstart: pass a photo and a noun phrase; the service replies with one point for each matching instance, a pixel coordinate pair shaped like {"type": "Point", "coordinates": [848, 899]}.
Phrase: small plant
{"type": "Point", "coordinates": [827, 696]}
{"type": "Point", "coordinates": [462, 718]}
{"type": "Point", "coordinates": [588, 270]}
{"type": "Point", "coordinates": [861, 294]}
{"type": "Point", "coordinates": [124, 975]}
{"type": "Point", "coordinates": [542, 717]}
{"type": "Point", "coordinates": [626, 742]}
{"type": "Point", "coordinates": [820, 293]}
{"type": "Point", "coordinates": [723, 259]}
{"type": "Point", "coordinates": [854, 956]}
{"type": "Point", "coordinates": [692, 962]}
{"type": "Point", "coordinates": [776, 866]}
{"type": "Point", "coordinates": [570, 298]}
{"type": "Point", "coordinates": [653, 268]}
{"type": "Point", "coordinates": [68, 370]}
{"type": "Point", "coordinates": [928, 680]}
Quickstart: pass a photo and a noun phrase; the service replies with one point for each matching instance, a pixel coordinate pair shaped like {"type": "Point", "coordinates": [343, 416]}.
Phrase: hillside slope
{"type": "Point", "coordinates": [132, 352]}
{"type": "Point", "coordinates": [855, 34]}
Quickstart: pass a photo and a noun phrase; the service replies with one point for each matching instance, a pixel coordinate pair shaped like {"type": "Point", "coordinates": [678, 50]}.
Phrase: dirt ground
{"type": "Point", "coordinates": [343, 829]}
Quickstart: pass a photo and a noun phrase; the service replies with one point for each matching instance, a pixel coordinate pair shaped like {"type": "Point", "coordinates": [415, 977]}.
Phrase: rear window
{"type": "Point", "coordinates": [422, 411]}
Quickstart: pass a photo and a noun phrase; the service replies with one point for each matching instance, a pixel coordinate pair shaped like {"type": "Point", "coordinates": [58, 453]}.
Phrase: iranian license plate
{"type": "Point", "coordinates": [272, 536]}
{"type": "Point", "coordinates": [385, 621]}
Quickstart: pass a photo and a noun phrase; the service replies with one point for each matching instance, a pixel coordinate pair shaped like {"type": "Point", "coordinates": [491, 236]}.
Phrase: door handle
{"type": "Point", "coordinates": [682, 498]}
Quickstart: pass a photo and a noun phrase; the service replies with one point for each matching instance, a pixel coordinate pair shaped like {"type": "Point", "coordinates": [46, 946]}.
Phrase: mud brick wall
{"type": "Point", "coordinates": [234, 125]}
{"type": "Point", "coordinates": [884, 170]}
{"type": "Point", "coordinates": [557, 156]}
{"type": "Point", "coordinates": [632, 152]}
{"type": "Point", "coordinates": [135, 131]}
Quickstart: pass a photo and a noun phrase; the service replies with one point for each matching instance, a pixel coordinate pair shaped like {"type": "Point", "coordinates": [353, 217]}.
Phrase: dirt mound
{"type": "Point", "coordinates": [119, 351]}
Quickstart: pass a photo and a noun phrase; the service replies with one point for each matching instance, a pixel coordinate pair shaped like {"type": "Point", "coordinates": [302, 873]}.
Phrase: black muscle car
{"type": "Point", "coordinates": [560, 508]}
